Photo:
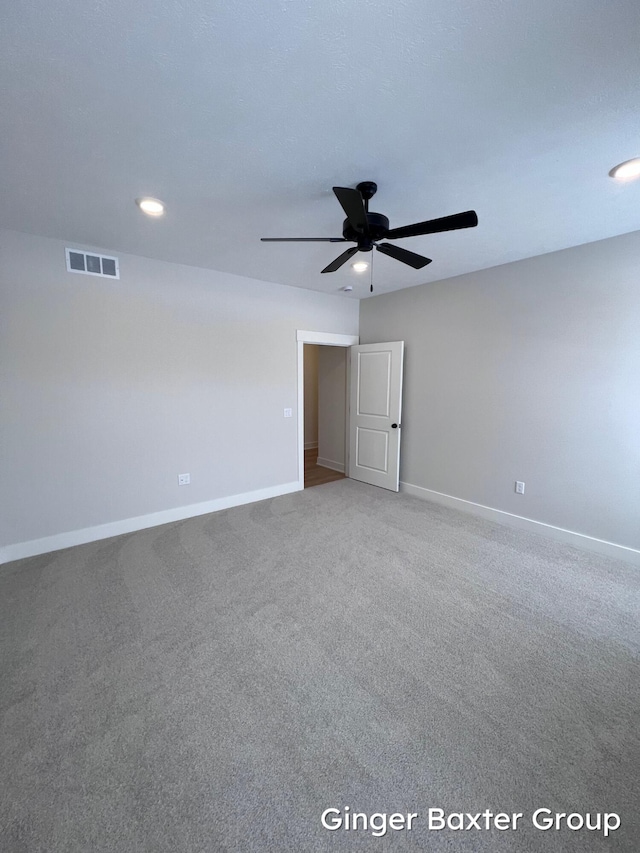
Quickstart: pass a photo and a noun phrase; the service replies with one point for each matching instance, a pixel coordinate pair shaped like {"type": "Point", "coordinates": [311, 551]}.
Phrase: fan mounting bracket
{"type": "Point", "coordinates": [367, 189]}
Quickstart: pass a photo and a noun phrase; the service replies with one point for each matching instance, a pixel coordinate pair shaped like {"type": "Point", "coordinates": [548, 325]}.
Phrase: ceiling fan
{"type": "Point", "coordinates": [367, 229]}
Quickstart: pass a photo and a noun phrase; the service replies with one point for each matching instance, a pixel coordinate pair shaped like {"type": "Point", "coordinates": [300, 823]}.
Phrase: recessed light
{"type": "Point", "coordinates": [360, 266]}
{"type": "Point", "coordinates": [627, 170]}
{"type": "Point", "coordinates": [150, 206]}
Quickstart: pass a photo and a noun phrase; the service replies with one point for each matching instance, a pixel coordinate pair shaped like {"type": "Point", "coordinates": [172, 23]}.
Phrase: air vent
{"type": "Point", "coordinates": [91, 264]}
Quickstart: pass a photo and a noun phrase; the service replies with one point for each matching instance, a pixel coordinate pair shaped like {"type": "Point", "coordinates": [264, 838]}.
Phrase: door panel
{"type": "Point", "coordinates": [372, 449]}
{"type": "Point", "coordinates": [373, 387]}
{"type": "Point", "coordinates": [376, 404]}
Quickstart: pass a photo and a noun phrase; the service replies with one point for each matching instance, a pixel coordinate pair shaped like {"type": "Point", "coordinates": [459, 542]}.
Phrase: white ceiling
{"type": "Point", "coordinates": [241, 116]}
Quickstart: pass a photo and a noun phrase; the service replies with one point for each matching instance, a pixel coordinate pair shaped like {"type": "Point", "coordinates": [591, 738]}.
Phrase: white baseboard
{"type": "Point", "coordinates": [310, 445]}
{"type": "Point", "coordinates": [329, 463]}
{"type": "Point", "coordinates": [130, 525]}
{"type": "Point", "coordinates": [580, 540]}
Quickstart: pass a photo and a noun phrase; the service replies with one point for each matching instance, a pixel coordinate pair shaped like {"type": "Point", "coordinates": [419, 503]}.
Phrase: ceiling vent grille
{"type": "Point", "coordinates": [89, 263]}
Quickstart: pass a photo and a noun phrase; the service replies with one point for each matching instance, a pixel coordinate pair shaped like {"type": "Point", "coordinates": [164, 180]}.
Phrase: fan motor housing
{"type": "Point", "coordinates": [378, 226]}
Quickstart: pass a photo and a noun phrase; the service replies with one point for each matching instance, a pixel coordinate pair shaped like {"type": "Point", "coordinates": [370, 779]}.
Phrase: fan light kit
{"type": "Point", "coordinates": [360, 266]}
{"type": "Point", "coordinates": [626, 171]}
{"type": "Point", "coordinates": [366, 229]}
{"type": "Point", "coordinates": [150, 206]}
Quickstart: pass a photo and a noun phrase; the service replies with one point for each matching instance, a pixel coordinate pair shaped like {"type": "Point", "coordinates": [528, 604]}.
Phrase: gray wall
{"type": "Point", "coordinates": [332, 395]}
{"type": "Point", "coordinates": [109, 389]}
{"type": "Point", "coordinates": [310, 395]}
{"type": "Point", "coordinates": [528, 371]}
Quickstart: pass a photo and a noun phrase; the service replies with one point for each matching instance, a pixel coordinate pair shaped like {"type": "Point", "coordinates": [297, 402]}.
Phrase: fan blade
{"type": "Point", "coordinates": [344, 257]}
{"type": "Point", "coordinates": [303, 240]}
{"type": "Point", "coordinates": [353, 205]}
{"type": "Point", "coordinates": [468, 219]}
{"type": "Point", "coordinates": [415, 261]}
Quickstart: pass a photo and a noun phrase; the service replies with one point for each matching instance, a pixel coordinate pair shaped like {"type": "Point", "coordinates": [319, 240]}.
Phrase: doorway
{"type": "Point", "coordinates": [325, 414]}
{"type": "Point", "coordinates": [323, 388]}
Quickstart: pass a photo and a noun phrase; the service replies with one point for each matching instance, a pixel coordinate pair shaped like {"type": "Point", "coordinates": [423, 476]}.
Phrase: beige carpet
{"type": "Point", "coordinates": [216, 684]}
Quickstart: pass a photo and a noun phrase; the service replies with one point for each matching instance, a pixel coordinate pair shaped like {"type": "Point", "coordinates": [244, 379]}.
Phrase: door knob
{"type": "Point", "coordinates": [395, 426]}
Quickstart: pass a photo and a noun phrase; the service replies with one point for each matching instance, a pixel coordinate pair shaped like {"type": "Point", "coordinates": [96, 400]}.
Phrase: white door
{"type": "Point", "coordinates": [376, 407]}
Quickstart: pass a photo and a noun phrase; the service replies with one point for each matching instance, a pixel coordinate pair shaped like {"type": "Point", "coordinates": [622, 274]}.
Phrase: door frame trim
{"type": "Point", "coordinates": [328, 339]}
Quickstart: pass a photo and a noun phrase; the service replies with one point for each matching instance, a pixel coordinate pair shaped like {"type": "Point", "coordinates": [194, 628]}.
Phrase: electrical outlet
{"type": "Point", "coordinates": [519, 487]}
{"type": "Point", "coordinates": [288, 413]}
{"type": "Point", "coordinates": [184, 479]}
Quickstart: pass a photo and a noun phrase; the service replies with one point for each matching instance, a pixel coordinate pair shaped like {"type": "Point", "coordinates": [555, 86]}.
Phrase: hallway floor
{"type": "Point", "coordinates": [316, 475]}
